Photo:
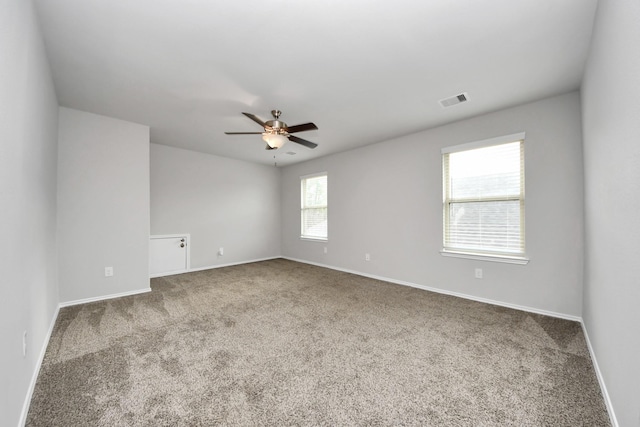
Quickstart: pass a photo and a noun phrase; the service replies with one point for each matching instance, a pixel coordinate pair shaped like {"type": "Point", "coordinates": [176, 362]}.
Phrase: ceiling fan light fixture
{"type": "Point", "coordinates": [274, 140]}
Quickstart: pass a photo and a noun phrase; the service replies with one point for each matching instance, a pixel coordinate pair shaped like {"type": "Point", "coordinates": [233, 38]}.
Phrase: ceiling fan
{"type": "Point", "coordinates": [276, 132]}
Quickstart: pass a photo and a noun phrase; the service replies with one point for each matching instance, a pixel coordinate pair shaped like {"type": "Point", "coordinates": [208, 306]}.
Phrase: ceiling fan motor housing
{"type": "Point", "coordinates": [277, 126]}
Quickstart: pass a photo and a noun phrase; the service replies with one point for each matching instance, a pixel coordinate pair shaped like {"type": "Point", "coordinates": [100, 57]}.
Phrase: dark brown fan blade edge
{"type": "Point", "coordinates": [243, 133]}
{"type": "Point", "coordinates": [255, 119]}
{"type": "Point", "coordinates": [302, 127]}
{"type": "Point", "coordinates": [302, 141]}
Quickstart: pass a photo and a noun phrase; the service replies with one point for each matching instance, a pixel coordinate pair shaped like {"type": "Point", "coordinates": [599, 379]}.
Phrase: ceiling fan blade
{"type": "Point", "coordinates": [243, 133]}
{"type": "Point", "coordinates": [255, 119]}
{"type": "Point", "coordinates": [302, 141]}
{"type": "Point", "coordinates": [302, 127]}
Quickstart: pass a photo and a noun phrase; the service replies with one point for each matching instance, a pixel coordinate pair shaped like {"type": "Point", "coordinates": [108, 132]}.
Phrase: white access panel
{"type": "Point", "coordinates": [169, 254]}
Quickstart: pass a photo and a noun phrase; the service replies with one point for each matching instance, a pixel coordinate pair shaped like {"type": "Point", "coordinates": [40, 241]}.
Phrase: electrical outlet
{"type": "Point", "coordinates": [325, 249]}
{"type": "Point", "coordinates": [108, 271]}
{"type": "Point", "coordinates": [24, 344]}
{"type": "Point", "coordinates": [478, 273]}
{"type": "Point", "coordinates": [367, 257]}
{"type": "Point", "coordinates": [221, 251]}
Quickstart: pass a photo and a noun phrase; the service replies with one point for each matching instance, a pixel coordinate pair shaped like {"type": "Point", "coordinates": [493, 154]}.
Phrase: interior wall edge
{"type": "Point", "coordinates": [36, 370]}
{"type": "Point", "coordinates": [603, 386]}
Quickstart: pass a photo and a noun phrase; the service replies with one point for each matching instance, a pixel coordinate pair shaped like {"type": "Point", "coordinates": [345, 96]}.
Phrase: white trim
{"type": "Point", "coordinates": [312, 175]}
{"type": "Point", "coordinates": [603, 387]}
{"type": "Point", "coordinates": [314, 239]}
{"type": "Point", "coordinates": [36, 371]}
{"type": "Point", "coordinates": [34, 377]}
{"type": "Point", "coordinates": [211, 267]}
{"type": "Point", "coordinates": [168, 273]}
{"type": "Point", "coordinates": [104, 297]}
{"type": "Point", "coordinates": [168, 236]}
{"type": "Point", "coordinates": [601, 382]}
{"type": "Point", "coordinates": [303, 208]}
{"type": "Point", "coordinates": [514, 137]}
{"type": "Point", "coordinates": [446, 292]}
{"type": "Point", "coordinates": [486, 257]}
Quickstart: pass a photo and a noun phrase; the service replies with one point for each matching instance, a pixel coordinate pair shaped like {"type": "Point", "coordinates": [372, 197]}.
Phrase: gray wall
{"type": "Point", "coordinates": [386, 200]}
{"type": "Point", "coordinates": [611, 120]}
{"type": "Point", "coordinates": [221, 202]}
{"type": "Point", "coordinates": [103, 206]}
{"type": "Point", "coordinates": [28, 130]}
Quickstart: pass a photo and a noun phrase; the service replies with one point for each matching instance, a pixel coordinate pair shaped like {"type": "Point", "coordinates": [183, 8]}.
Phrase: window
{"type": "Point", "coordinates": [313, 212]}
{"type": "Point", "coordinates": [483, 199]}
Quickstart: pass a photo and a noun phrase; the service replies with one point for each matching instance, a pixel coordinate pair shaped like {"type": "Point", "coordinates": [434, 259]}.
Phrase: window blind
{"type": "Point", "coordinates": [314, 207]}
{"type": "Point", "coordinates": [483, 199]}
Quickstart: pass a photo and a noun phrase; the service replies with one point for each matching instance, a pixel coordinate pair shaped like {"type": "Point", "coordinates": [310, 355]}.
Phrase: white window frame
{"type": "Point", "coordinates": [513, 258]}
{"type": "Point", "coordinates": [303, 207]}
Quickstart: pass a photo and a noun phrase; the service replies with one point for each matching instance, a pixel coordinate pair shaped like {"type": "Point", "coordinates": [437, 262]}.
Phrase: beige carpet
{"type": "Point", "coordinates": [284, 343]}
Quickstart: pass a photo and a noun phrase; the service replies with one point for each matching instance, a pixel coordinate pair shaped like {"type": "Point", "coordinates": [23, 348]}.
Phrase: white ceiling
{"type": "Point", "coordinates": [364, 71]}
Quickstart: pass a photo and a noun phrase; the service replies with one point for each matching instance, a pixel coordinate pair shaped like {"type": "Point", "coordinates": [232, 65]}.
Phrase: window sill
{"type": "Point", "coordinates": [314, 239]}
{"type": "Point", "coordinates": [508, 259]}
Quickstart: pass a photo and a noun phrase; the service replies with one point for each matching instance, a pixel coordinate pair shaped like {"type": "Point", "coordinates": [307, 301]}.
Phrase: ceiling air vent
{"type": "Point", "coordinates": [448, 102]}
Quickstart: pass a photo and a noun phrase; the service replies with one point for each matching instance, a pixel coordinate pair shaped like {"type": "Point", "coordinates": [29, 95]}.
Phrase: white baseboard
{"type": "Point", "coordinates": [36, 371]}
{"type": "Point", "coordinates": [603, 387]}
{"type": "Point", "coordinates": [168, 273]}
{"type": "Point", "coordinates": [104, 297]}
{"type": "Point", "coordinates": [211, 267]}
{"type": "Point", "coordinates": [45, 344]}
{"type": "Point", "coordinates": [447, 292]}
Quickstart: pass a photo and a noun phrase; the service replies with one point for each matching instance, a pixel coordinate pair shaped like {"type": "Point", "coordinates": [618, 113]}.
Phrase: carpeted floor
{"type": "Point", "coordinates": [284, 343]}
